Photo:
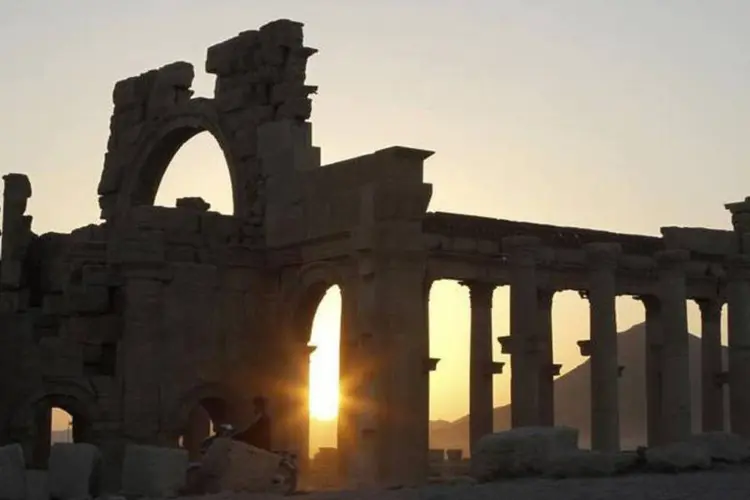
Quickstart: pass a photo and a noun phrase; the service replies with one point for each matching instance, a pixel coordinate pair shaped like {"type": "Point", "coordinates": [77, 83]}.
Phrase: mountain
{"type": "Point", "coordinates": [573, 403]}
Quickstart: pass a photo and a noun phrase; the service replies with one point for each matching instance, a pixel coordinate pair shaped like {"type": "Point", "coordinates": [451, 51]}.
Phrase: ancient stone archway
{"type": "Point", "coordinates": [157, 145]}
{"type": "Point", "coordinates": [215, 399]}
{"type": "Point", "coordinates": [31, 422]}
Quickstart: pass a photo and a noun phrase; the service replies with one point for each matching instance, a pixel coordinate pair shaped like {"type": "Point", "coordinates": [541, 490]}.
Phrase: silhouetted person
{"type": "Point", "coordinates": [258, 433]}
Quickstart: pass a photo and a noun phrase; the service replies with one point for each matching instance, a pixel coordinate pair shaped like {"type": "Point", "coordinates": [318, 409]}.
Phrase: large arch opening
{"type": "Point", "coordinates": [196, 167]}
{"type": "Point", "coordinates": [323, 395]}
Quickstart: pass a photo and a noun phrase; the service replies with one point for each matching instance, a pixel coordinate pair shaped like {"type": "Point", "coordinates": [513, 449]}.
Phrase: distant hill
{"type": "Point", "coordinates": [573, 404]}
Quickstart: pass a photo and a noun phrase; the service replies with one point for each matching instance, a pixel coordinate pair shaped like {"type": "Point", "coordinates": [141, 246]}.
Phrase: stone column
{"type": "Point", "coordinates": [524, 328]}
{"type": "Point", "coordinates": [676, 369]}
{"type": "Point", "coordinates": [654, 362]}
{"type": "Point", "coordinates": [738, 298]}
{"type": "Point", "coordinates": [480, 361]}
{"type": "Point", "coordinates": [547, 367]}
{"type": "Point", "coordinates": [605, 419]}
{"type": "Point", "coordinates": [712, 394]}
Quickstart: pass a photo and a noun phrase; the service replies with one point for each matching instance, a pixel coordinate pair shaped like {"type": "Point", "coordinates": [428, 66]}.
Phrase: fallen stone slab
{"type": "Point", "coordinates": [585, 463]}
{"type": "Point", "coordinates": [723, 447]}
{"type": "Point", "coordinates": [230, 465]}
{"type": "Point", "coordinates": [677, 457]}
{"type": "Point", "coordinates": [74, 471]}
{"type": "Point", "coordinates": [152, 471]}
{"type": "Point", "coordinates": [37, 487]}
{"type": "Point", "coordinates": [12, 473]}
{"type": "Point", "coordinates": [519, 452]}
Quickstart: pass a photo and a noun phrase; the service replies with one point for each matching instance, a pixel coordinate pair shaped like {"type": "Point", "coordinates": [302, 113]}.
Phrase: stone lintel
{"type": "Point", "coordinates": [602, 255]}
{"type": "Point", "coordinates": [672, 259]}
{"type": "Point", "coordinates": [521, 249]}
{"type": "Point", "coordinates": [585, 347]}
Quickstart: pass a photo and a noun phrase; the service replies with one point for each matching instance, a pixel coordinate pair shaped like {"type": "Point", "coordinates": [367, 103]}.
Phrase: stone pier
{"type": "Point", "coordinates": [712, 393]}
{"type": "Point", "coordinates": [547, 368]}
{"type": "Point", "coordinates": [605, 422]}
{"type": "Point", "coordinates": [738, 295]}
{"type": "Point", "coordinates": [676, 383]}
{"type": "Point", "coordinates": [524, 328]}
{"type": "Point", "coordinates": [480, 363]}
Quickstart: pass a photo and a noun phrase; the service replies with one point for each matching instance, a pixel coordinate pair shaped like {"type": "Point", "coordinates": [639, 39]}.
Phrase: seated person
{"type": "Point", "coordinates": [258, 432]}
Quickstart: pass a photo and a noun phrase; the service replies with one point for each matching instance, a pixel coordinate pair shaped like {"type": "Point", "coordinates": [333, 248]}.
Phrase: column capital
{"type": "Point", "coordinates": [522, 250]}
{"type": "Point", "coordinates": [710, 308]}
{"type": "Point", "coordinates": [480, 292]}
{"type": "Point", "coordinates": [602, 255]}
{"type": "Point", "coordinates": [649, 301]}
{"type": "Point", "coordinates": [672, 259]}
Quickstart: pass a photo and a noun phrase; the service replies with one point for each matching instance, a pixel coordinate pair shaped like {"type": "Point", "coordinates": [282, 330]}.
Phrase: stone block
{"type": "Point", "coordinates": [150, 471]}
{"type": "Point", "coordinates": [678, 457]}
{"type": "Point", "coordinates": [87, 299]}
{"type": "Point", "coordinates": [520, 452]}
{"type": "Point", "coordinates": [723, 446]}
{"type": "Point", "coordinates": [585, 463]}
{"type": "Point", "coordinates": [37, 485]}
{"type": "Point", "coordinates": [74, 471]}
{"type": "Point", "coordinates": [12, 473]}
{"type": "Point", "coordinates": [234, 466]}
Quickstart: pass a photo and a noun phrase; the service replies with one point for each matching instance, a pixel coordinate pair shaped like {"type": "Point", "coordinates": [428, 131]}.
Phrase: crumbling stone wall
{"type": "Point", "coordinates": [260, 78]}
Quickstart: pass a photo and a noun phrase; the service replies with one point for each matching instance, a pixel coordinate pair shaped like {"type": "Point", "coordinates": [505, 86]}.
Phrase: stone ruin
{"type": "Point", "coordinates": [132, 324]}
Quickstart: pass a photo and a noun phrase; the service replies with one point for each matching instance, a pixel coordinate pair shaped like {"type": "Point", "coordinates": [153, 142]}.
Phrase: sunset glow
{"type": "Point", "coordinates": [324, 362]}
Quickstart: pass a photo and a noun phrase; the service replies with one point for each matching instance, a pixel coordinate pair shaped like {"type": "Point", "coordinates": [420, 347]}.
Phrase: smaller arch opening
{"type": "Point", "coordinates": [55, 422]}
{"type": "Point", "coordinates": [201, 423]}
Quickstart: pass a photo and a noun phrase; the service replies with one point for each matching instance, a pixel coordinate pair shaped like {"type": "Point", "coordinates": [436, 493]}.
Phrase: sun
{"type": "Point", "coordinates": [324, 362]}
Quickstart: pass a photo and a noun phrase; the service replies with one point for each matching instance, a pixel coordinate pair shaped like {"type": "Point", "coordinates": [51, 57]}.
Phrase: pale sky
{"type": "Point", "coordinates": [624, 115]}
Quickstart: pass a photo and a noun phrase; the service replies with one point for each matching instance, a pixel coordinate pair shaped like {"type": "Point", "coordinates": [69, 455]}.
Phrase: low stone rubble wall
{"type": "Point", "coordinates": [74, 471]}
{"type": "Point", "coordinates": [554, 452]}
{"type": "Point", "coordinates": [150, 471]}
{"type": "Point", "coordinates": [12, 473]}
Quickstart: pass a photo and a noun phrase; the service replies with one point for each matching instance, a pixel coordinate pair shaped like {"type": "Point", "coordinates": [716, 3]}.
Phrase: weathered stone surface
{"type": "Point", "coordinates": [585, 463]}
{"type": "Point", "coordinates": [520, 452]}
{"type": "Point", "coordinates": [74, 471]}
{"type": "Point", "coordinates": [153, 471]}
{"type": "Point", "coordinates": [12, 473]}
{"type": "Point", "coordinates": [723, 446]}
{"type": "Point", "coordinates": [37, 485]}
{"type": "Point", "coordinates": [678, 457]}
{"type": "Point", "coordinates": [234, 466]}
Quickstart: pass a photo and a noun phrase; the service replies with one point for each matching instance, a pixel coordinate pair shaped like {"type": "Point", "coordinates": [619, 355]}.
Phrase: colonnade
{"type": "Point", "coordinates": [668, 383]}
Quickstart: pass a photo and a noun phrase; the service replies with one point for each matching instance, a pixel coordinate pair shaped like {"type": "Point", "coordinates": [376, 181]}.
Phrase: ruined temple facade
{"type": "Point", "coordinates": [132, 324]}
